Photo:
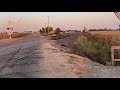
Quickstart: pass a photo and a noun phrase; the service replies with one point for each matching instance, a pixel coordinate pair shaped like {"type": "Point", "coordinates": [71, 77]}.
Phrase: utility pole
{"type": "Point", "coordinates": [118, 16]}
{"type": "Point", "coordinates": [48, 25]}
{"type": "Point", "coordinates": [45, 28]}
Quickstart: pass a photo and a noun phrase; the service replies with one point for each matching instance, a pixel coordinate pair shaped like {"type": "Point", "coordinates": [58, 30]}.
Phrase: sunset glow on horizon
{"type": "Point", "coordinates": [33, 21]}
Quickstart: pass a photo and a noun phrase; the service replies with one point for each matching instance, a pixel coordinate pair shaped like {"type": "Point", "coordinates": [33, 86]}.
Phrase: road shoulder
{"type": "Point", "coordinates": [59, 64]}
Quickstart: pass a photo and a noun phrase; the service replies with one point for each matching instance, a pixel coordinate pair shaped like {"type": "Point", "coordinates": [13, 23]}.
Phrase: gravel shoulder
{"type": "Point", "coordinates": [85, 67]}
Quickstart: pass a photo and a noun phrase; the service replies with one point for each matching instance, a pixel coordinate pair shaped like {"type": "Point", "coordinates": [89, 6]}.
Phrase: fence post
{"type": "Point", "coordinates": [112, 56]}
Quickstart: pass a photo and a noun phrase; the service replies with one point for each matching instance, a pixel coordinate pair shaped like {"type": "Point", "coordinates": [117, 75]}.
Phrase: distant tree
{"type": "Point", "coordinates": [50, 29]}
{"type": "Point", "coordinates": [92, 30]}
{"type": "Point", "coordinates": [40, 30]}
{"type": "Point", "coordinates": [105, 29]}
{"type": "Point", "coordinates": [83, 30]}
{"type": "Point", "coordinates": [58, 30]}
{"type": "Point", "coordinates": [45, 30]}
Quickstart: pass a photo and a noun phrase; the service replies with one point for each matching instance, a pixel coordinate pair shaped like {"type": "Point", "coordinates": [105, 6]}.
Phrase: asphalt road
{"type": "Point", "coordinates": [20, 58]}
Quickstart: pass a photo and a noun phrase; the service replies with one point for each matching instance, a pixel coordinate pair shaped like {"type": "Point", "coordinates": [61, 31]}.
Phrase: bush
{"type": "Point", "coordinates": [95, 47]}
{"type": "Point", "coordinates": [57, 31]}
{"type": "Point", "coordinates": [45, 31]}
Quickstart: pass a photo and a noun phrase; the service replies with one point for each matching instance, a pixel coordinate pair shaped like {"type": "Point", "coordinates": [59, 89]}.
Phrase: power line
{"type": "Point", "coordinates": [117, 15]}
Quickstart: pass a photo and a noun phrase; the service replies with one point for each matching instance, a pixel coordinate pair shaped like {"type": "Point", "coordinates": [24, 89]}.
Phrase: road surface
{"type": "Point", "coordinates": [19, 57]}
{"type": "Point", "coordinates": [33, 57]}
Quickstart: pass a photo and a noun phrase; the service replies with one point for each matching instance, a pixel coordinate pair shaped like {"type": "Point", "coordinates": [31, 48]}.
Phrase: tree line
{"type": "Point", "coordinates": [47, 30]}
{"type": "Point", "coordinates": [101, 29]}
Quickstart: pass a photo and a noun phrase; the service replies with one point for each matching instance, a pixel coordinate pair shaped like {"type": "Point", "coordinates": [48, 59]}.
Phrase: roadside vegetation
{"type": "Point", "coordinates": [96, 47]}
{"type": "Point", "coordinates": [54, 34]}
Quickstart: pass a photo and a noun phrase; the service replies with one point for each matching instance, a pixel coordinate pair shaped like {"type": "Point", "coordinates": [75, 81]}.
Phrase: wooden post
{"type": "Point", "coordinates": [112, 56]}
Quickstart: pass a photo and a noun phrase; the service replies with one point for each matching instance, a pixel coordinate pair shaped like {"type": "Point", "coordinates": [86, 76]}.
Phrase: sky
{"type": "Point", "coordinates": [33, 21]}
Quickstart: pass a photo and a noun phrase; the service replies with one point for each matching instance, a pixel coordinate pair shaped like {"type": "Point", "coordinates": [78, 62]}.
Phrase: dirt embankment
{"type": "Point", "coordinates": [81, 66]}
{"type": "Point", "coordinates": [59, 64]}
{"type": "Point", "coordinates": [64, 43]}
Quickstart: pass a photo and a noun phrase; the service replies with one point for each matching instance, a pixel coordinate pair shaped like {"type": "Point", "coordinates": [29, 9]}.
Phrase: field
{"type": "Point", "coordinates": [14, 35]}
{"type": "Point", "coordinates": [106, 32]}
{"type": "Point", "coordinates": [113, 35]}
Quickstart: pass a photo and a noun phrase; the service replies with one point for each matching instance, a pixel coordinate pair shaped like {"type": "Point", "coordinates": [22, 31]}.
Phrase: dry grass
{"type": "Point", "coordinates": [96, 45]}
{"type": "Point", "coordinates": [113, 35]}
{"type": "Point", "coordinates": [106, 32]}
{"type": "Point", "coordinates": [14, 35]}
